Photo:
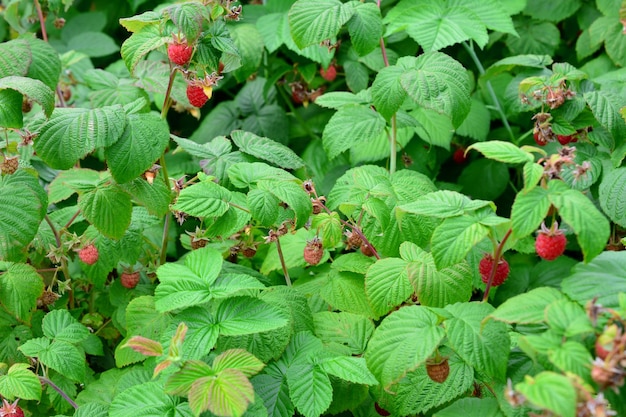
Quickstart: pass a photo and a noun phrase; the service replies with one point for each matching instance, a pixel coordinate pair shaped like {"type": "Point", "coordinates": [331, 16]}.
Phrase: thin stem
{"type": "Point", "coordinates": [393, 151]}
{"type": "Point", "coordinates": [69, 223]}
{"type": "Point", "coordinates": [164, 238]}
{"type": "Point", "coordinates": [66, 397]}
{"type": "Point", "coordinates": [167, 102]}
{"type": "Point", "coordinates": [282, 262]}
{"type": "Point", "coordinates": [64, 268]}
{"type": "Point", "coordinates": [496, 260]}
{"type": "Point", "coordinates": [481, 70]}
{"type": "Point", "coordinates": [239, 207]}
{"type": "Point", "coordinates": [42, 21]}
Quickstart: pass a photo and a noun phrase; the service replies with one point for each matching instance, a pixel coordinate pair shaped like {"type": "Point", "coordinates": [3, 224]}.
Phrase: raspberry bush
{"type": "Point", "coordinates": [312, 207]}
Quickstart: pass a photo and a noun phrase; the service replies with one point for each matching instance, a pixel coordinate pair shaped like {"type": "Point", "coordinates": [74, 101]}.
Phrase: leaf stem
{"type": "Point", "coordinates": [496, 260]}
{"type": "Point", "coordinates": [469, 47]}
{"type": "Point", "coordinates": [282, 262]}
{"type": "Point", "coordinates": [66, 397]}
{"type": "Point", "coordinates": [69, 223]}
{"type": "Point", "coordinates": [164, 238]}
{"type": "Point", "coordinates": [393, 151]}
{"type": "Point", "coordinates": [64, 268]}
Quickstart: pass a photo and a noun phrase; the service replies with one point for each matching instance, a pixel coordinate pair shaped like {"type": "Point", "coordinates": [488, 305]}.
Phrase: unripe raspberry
{"type": "Point", "coordinates": [129, 279]}
{"type": "Point", "coordinates": [9, 165]}
{"type": "Point", "coordinates": [89, 254]}
{"type": "Point", "coordinates": [486, 265]}
{"type": "Point", "coordinates": [313, 251]}
{"type": "Point", "coordinates": [366, 249]}
{"type": "Point", "coordinates": [438, 371]}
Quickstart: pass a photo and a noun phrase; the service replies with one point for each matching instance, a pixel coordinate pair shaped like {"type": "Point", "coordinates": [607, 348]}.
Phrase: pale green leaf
{"type": "Point", "coordinates": [492, 13]}
{"type": "Point", "coordinates": [454, 238]}
{"type": "Point", "coordinates": [345, 291]}
{"type": "Point", "coordinates": [387, 91]}
{"type": "Point", "coordinates": [572, 357]}
{"type": "Point", "coordinates": [273, 389]}
{"type": "Point", "coordinates": [310, 389]}
{"type": "Point", "coordinates": [527, 308]}
{"type": "Point", "coordinates": [188, 284]}
{"type": "Point", "coordinates": [387, 284]}
{"type": "Point", "coordinates": [472, 407]}
{"type": "Point", "coordinates": [72, 181]}
{"type": "Point", "coordinates": [146, 400]}
{"type": "Point", "coordinates": [550, 391]}
{"type": "Point", "coordinates": [108, 208]}
{"type": "Point", "coordinates": [528, 211]}
{"type": "Point", "coordinates": [402, 342]}
{"type": "Point", "coordinates": [266, 149]}
{"type": "Point", "coordinates": [263, 206]}
{"type": "Point", "coordinates": [313, 21]}
{"type": "Point", "coordinates": [485, 346]}
{"type": "Point", "coordinates": [20, 382]}
{"type": "Point", "coordinates": [204, 199]}
{"type": "Point", "coordinates": [64, 358]}
{"type": "Point", "coordinates": [227, 394]}
{"type": "Point", "coordinates": [188, 18]}
{"type": "Point", "coordinates": [349, 369]}
{"type": "Point", "coordinates": [347, 329]}
{"type": "Point", "coordinates": [140, 44]}
{"type": "Point", "coordinates": [139, 147]}
{"type": "Point", "coordinates": [613, 195]}
{"type": "Point", "coordinates": [291, 193]}
{"type": "Point", "coordinates": [532, 174]}
{"type": "Point", "coordinates": [72, 133]}
{"type": "Point", "coordinates": [135, 23]}
{"type": "Point", "coordinates": [443, 204]}
{"type": "Point", "coordinates": [238, 359]}
{"type": "Point", "coordinates": [554, 11]}
{"type": "Point", "coordinates": [605, 106]}
{"type": "Point", "coordinates": [349, 126]}
{"type": "Point", "coordinates": [15, 57]}
{"type": "Point", "coordinates": [31, 88]}
{"type": "Point", "coordinates": [503, 151]}
{"type": "Point", "coordinates": [329, 228]}
{"type": "Point", "coordinates": [365, 28]}
{"type": "Point", "coordinates": [61, 325]}
{"type": "Point", "coordinates": [20, 287]}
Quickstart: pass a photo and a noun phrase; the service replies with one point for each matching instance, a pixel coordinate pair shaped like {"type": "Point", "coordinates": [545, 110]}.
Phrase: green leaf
{"type": "Point", "coordinates": [608, 268]}
{"type": "Point", "coordinates": [72, 133]}
{"type": "Point", "coordinates": [435, 26]}
{"type": "Point", "coordinates": [485, 346]}
{"type": "Point", "coordinates": [140, 44]}
{"type": "Point", "coordinates": [613, 195]}
{"type": "Point", "coordinates": [572, 357]}
{"type": "Point", "coordinates": [313, 21]}
{"type": "Point", "coordinates": [605, 106]}
{"type": "Point", "coordinates": [31, 88]}
{"type": "Point", "coordinates": [61, 325]}
{"type": "Point", "coordinates": [345, 291]}
{"type": "Point", "coordinates": [266, 149]}
{"type": "Point", "coordinates": [347, 329]}
{"type": "Point", "coordinates": [135, 23]}
{"type": "Point", "coordinates": [554, 11]}
{"type": "Point", "coordinates": [491, 13]}
{"type": "Point", "coordinates": [550, 391]}
{"type": "Point", "coordinates": [188, 284]}
{"type": "Point", "coordinates": [273, 389]}
{"type": "Point", "coordinates": [204, 199]}
{"type": "Point", "coordinates": [245, 315]}
{"type": "Point", "coordinates": [591, 227]}
{"type": "Point", "coordinates": [20, 382]}
{"type": "Point", "coordinates": [20, 287]}
{"type": "Point", "coordinates": [443, 204]}
{"type": "Point", "coordinates": [93, 44]}
{"type": "Point", "coordinates": [72, 181]}
{"type": "Point", "coordinates": [528, 211]}
{"type": "Point", "coordinates": [477, 124]}
{"type": "Point", "coordinates": [155, 197]}
{"type": "Point", "coordinates": [365, 28]}
{"type": "Point", "coordinates": [310, 389]}
{"type": "Point", "coordinates": [238, 359]}
{"type": "Point", "coordinates": [349, 126]}
{"type": "Point", "coordinates": [140, 145]}
{"type": "Point", "coordinates": [438, 82]}
{"type": "Point", "coordinates": [471, 407]}
{"type": "Point", "coordinates": [329, 228]}
{"type": "Point", "coordinates": [527, 308]}
{"type": "Point", "coordinates": [249, 43]}
{"type": "Point", "coordinates": [291, 193]}
{"type": "Point", "coordinates": [108, 208]}
{"type": "Point", "coordinates": [64, 358]}
{"type": "Point", "coordinates": [15, 57]}
{"type": "Point", "coordinates": [454, 238]}
{"type": "Point", "coordinates": [387, 91]}
{"type": "Point", "coordinates": [387, 284]}
{"type": "Point", "coordinates": [503, 151]}
{"type": "Point", "coordinates": [568, 318]}
{"type": "Point", "coordinates": [229, 393]}
{"type": "Point", "coordinates": [146, 400]}
{"type": "Point", "coordinates": [485, 179]}
{"type": "Point", "coordinates": [263, 206]}
{"type": "Point", "coordinates": [436, 288]}
{"type": "Point", "coordinates": [11, 109]}
{"type": "Point", "coordinates": [532, 174]}
{"type": "Point", "coordinates": [349, 369]}
{"type": "Point", "coordinates": [188, 18]}
{"type": "Point", "coordinates": [402, 342]}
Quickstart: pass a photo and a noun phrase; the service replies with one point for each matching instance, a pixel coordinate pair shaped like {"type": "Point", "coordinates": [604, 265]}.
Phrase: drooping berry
{"type": "Point", "coordinates": [88, 254]}
{"type": "Point", "coordinates": [248, 251]}
{"type": "Point", "coordinates": [196, 95]}
{"type": "Point", "coordinates": [459, 157]}
{"type": "Point", "coordinates": [438, 371]}
{"type": "Point", "coordinates": [313, 251]}
{"type": "Point", "coordinates": [539, 138]}
{"type": "Point", "coordinates": [129, 279]}
{"type": "Point", "coordinates": [329, 74]}
{"type": "Point", "coordinates": [179, 52]}
{"type": "Point", "coordinates": [486, 265]}
{"type": "Point", "coordinates": [550, 242]}
{"type": "Point", "coordinates": [565, 139]}
{"type": "Point", "coordinates": [366, 249]}
{"type": "Point", "coordinates": [381, 411]}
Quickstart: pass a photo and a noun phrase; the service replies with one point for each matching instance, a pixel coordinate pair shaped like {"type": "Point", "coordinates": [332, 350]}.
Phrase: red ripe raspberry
{"type": "Point", "coordinates": [179, 53]}
{"type": "Point", "coordinates": [329, 74]}
{"type": "Point", "coordinates": [313, 251]}
{"type": "Point", "coordinates": [485, 266]}
{"type": "Point", "coordinates": [550, 243]}
{"type": "Point", "coordinates": [129, 279]}
{"type": "Point", "coordinates": [565, 139]}
{"type": "Point", "coordinates": [196, 95]}
{"type": "Point", "coordinates": [88, 254]}
{"type": "Point", "coordinates": [539, 138]}
{"type": "Point", "coordinates": [438, 371]}
{"type": "Point", "coordinates": [459, 157]}
{"type": "Point", "coordinates": [381, 411]}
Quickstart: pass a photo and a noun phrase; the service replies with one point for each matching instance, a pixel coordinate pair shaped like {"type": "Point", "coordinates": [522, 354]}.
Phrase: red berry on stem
{"type": "Point", "coordinates": [565, 139]}
{"type": "Point", "coordinates": [129, 279]}
{"type": "Point", "coordinates": [329, 74]}
{"type": "Point", "coordinates": [11, 409]}
{"type": "Point", "coordinates": [89, 254]}
{"type": "Point", "coordinates": [313, 251]}
{"type": "Point", "coordinates": [459, 157]}
{"type": "Point", "coordinates": [179, 53]}
{"type": "Point", "coordinates": [550, 243]}
{"type": "Point", "coordinates": [196, 95]}
{"type": "Point", "coordinates": [486, 265]}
